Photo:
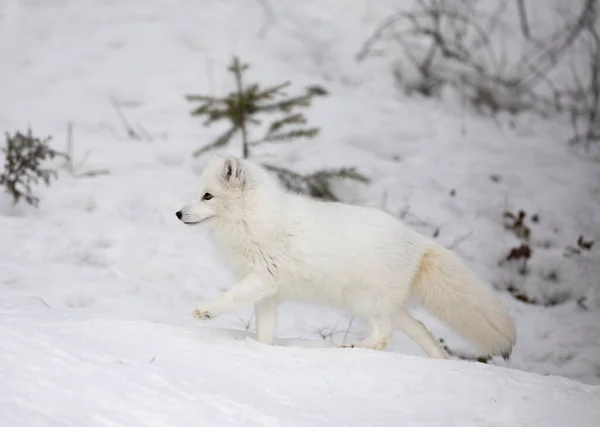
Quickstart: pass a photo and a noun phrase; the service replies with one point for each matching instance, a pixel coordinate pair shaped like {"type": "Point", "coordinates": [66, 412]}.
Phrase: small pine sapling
{"type": "Point", "coordinates": [24, 155]}
{"type": "Point", "coordinates": [242, 107]}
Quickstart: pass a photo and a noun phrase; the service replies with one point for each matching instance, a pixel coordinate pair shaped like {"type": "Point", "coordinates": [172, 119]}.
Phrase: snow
{"type": "Point", "coordinates": [116, 372]}
{"type": "Point", "coordinates": [98, 284]}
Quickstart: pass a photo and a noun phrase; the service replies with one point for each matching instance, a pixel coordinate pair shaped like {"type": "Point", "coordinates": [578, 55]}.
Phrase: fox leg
{"type": "Point", "coordinates": [266, 319]}
{"type": "Point", "coordinates": [249, 290]}
{"type": "Point", "coordinates": [417, 332]}
{"type": "Point", "coordinates": [380, 334]}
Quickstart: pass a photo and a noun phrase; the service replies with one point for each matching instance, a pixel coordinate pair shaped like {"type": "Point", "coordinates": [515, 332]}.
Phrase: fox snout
{"type": "Point", "coordinates": [191, 215]}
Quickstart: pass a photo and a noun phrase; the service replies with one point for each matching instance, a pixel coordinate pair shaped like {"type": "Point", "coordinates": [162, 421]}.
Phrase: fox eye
{"type": "Point", "coordinates": [207, 196]}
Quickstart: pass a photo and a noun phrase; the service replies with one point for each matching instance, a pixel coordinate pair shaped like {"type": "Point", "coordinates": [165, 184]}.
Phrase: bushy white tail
{"type": "Point", "coordinates": [453, 293]}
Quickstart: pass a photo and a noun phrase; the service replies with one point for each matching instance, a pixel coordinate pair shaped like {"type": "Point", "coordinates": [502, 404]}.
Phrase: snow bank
{"type": "Point", "coordinates": [57, 369]}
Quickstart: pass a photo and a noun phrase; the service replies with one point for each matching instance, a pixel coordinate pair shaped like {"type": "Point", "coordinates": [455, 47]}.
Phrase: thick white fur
{"type": "Point", "coordinates": [285, 246]}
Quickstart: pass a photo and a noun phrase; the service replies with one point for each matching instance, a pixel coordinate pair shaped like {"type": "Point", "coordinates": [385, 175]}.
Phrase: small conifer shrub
{"type": "Point", "coordinates": [23, 166]}
{"type": "Point", "coordinates": [242, 109]}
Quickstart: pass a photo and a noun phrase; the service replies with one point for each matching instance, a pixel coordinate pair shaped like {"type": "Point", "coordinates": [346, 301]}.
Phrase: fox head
{"type": "Point", "coordinates": [220, 193]}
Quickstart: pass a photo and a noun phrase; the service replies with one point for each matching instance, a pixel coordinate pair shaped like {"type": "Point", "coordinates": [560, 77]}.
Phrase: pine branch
{"type": "Point", "coordinates": [203, 98]}
{"type": "Point", "coordinates": [287, 105]}
{"type": "Point", "coordinates": [203, 109]}
{"type": "Point", "coordinates": [214, 114]}
{"type": "Point", "coordinates": [219, 142]}
{"type": "Point", "coordinates": [287, 136]}
{"type": "Point", "coordinates": [293, 119]}
{"type": "Point", "coordinates": [275, 132]}
{"type": "Point", "coordinates": [271, 92]}
{"type": "Point", "coordinates": [348, 173]}
{"type": "Point", "coordinates": [316, 185]}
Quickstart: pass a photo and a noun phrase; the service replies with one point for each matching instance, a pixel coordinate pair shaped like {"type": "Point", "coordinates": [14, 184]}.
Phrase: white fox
{"type": "Point", "coordinates": [285, 246]}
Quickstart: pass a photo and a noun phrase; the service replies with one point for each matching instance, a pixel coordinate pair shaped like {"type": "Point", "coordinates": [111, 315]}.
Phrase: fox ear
{"type": "Point", "coordinates": [233, 172]}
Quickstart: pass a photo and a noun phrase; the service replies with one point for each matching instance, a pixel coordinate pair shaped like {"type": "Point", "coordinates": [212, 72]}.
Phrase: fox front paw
{"type": "Point", "coordinates": [201, 314]}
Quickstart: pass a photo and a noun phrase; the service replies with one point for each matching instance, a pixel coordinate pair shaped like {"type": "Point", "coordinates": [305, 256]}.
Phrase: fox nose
{"type": "Point", "coordinates": [178, 214]}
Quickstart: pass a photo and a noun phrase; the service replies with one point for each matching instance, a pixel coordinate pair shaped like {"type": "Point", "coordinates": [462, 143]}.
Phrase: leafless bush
{"type": "Point", "coordinates": [452, 43]}
{"type": "Point", "coordinates": [584, 98]}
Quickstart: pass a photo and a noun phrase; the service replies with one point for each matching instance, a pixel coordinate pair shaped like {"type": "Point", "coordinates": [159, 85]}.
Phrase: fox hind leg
{"type": "Point", "coordinates": [380, 334]}
{"type": "Point", "coordinates": [417, 332]}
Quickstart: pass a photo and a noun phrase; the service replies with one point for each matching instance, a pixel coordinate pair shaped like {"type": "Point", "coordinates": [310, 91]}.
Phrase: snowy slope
{"type": "Point", "coordinates": [102, 278]}
{"type": "Point", "coordinates": [70, 370]}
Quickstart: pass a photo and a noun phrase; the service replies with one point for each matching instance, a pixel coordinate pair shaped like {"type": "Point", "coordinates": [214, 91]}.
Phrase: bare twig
{"type": "Point", "coordinates": [143, 132]}
{"type": "Point", "coordinates": [581, 302]}
{"type": "Point", "coordinates": [459, 240]}
{"type": "Point", "coordinates": [246, 322]}
{"type": "Point", "coordinates": [270, 18]}
{"type": "Point", "coordinates": [69, 152]}
{"type": "Point", "coordinates": [384, 198]}
{"type": "Point", "coordinates": [584, 97]}
{"type": "Point", "coordinates": [539, 66]}
{"type": "Point", "coordinates": [70, 158]}
{"type": "Point", "coordinates": [464, 356]}
{"type": "Point", "coordinates": [93, 173]}
{"type": "Point", "coordinates": [131, 132]}
{"type": "Point", "coordinates": [523, 19]}
{"type": "Point", "coordinates": [43, 302]}
{"type": "Point", "coordinates": [326, 333]}
{"type": "Point", "coordinates": [348, 330]}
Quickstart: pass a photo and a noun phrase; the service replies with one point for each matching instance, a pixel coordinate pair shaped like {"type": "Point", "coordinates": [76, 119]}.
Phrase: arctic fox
{"type": "Point", "coordinates": [286, 246]}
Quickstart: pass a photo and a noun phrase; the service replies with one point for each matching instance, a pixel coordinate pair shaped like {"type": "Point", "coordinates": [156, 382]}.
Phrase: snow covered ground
{"type": "Point", "coordinates": [61, 369]}
{"type": "Point", "coordinates": [97, 285]}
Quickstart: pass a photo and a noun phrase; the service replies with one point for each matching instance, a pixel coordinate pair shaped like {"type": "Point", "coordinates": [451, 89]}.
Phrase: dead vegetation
{"type": "Point", "coordinates": [519, 256]}
{"type": "Point", "coordinates": [456, 44]}
{"type": "Point", "coordinates": [70, 165]}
